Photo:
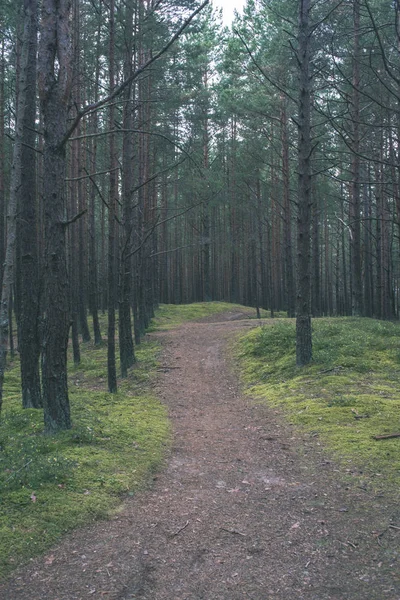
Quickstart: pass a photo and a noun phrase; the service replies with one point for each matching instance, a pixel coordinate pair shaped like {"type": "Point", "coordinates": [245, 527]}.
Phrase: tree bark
{"type": "Point", "coordinates": [112, 208]}
{"type": "Point", "coordinates": [93, 266]}
{"type": "Point", "coordinates": [23, 83]}
{"type": "Point", "coordinates": [289, 277]}
{"type": "Point", "coordinates": [355, 200]}
{"type": "Point", "coordinates": [303, 304]}
{"type": "Point", "coordinates": [27, 289]}
{"type": "Point", "coordinates": [126, 348]}
{"type": "Point", "coordinates": [55, 89]}
{"type": "Point", "coordinates": [2, 158]}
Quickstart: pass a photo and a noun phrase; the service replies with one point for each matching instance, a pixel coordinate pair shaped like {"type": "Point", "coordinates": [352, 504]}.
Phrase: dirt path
{"type": "Point", "coordinates": [245, 508]}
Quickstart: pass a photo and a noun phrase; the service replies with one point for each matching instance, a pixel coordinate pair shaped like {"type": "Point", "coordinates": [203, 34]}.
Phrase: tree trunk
{"type": "Point", "coordinates": [55, 88]}
{"type": "Point", "coordinates": [355, 200]}
{"type": "Point", "coordinates": [112, 213]}
{"type": "Point", "coordinates": [27, 295]}
{"type": "Point", "coordinates": [303, 304]}
{"type": "Point", "coordinates": [126, 349]}
{"type": "Point", "coordinates": [2, 157]}
{"type": "Point", "coordinates": [23, 97]}
{"type": "Point", "coordinates": [289, 278]}
{"type": "Point", "coordinates": [93, 266]}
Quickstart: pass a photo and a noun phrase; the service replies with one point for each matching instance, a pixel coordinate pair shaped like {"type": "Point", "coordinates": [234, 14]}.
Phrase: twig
{"type": "Point", "coordinates": [387, 436]}
{"type": "Point", "coordinates": [179, 530]}
{"type": "Point", "coordinates": [379, 535]}
{"type": "Point", "coordinates": [394, 527]}
{"type": "Point", "coordinates": [164, 367]}
{"type": "Point", "coordinates": [75, 218]}
{"type": "Point", "coordinates": [347, 543]}
{"type": "Point", "coordinates": [233, 531]}
{"type": "Point", "coordinates": [23, 467]}
{"type": "Point", "coordinates": [330, 370]}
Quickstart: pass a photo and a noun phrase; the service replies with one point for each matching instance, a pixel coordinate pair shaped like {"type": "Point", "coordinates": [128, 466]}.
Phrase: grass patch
{"type": "Point", "coordinates": [172, 315]}
{"type": "Point", "coordinates": [52, 484]}
{"type": "Point", "coordinates": [346, 396]}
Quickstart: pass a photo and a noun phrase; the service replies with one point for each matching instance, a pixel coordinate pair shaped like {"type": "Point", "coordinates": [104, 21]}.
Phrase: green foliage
{"type": "Point", "coordinates": [50, 485]}
{"type": "Point", "coordinates": [346, 396]}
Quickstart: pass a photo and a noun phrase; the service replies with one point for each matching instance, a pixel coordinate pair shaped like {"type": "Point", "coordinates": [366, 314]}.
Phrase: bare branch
{"type": "Point", "coordinates": [75, 218]}
{"type": "Point", "coordinates": [120, 88]}
{"type": "Point", "coordinates": [263, 73]}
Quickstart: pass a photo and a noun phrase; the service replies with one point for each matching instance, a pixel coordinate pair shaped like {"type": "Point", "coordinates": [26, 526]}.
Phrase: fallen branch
{"type": "Point", "coordinates": [179, 530]}
{"type": "Point", "coordinates": [387, 436]}
{"type": "Point", "coordinates": [233, 531]}
{"type": "Point", "coordinates": [338, 368]}
{"type": "Point", "coordinates": [18, 470]}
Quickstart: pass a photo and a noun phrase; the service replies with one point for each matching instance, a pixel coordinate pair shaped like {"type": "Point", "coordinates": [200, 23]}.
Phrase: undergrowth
{"type": "Point", "coordinates": [172, 315]}
{"type": "Point", "coordinates": [52, 484]}
{"type": "Point", "coordinates": [349, 393]}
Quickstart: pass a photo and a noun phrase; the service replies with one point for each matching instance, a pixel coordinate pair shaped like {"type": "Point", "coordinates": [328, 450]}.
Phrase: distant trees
{"type": "Point", "coordinates": [63, 299]}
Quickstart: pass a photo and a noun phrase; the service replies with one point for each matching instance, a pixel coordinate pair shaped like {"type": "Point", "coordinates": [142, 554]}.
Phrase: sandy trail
{"type": "Point", "coordinates": [245, 508]}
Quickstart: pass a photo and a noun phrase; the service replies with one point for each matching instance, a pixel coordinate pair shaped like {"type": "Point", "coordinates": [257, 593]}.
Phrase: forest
{"type": "Point", "coordinates": [150, 155]}
{"type": "Point", "coordinates": [200, 266]}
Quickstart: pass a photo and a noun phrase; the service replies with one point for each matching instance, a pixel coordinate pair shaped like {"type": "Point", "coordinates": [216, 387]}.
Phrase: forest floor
{"type": "Point", "coordinates": [246, 506]}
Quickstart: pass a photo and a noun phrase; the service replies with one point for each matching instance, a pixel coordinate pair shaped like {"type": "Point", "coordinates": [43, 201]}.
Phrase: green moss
{"type": "Point", "coordinates": [50, 485]}
{"type": "Point", "coordinates": [172, 315]}
{"type": "Point", "coordinates": [346, 396]}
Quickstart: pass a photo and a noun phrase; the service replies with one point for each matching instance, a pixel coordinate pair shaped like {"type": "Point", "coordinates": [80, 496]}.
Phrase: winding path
{"type": "Point", "coordinates": [245, 508]}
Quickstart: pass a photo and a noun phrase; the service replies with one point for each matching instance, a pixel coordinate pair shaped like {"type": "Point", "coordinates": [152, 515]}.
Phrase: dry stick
{"type": "Point", "coordinates": [388, 436]}
{"type": "Point", "coordinates": [330, 370]}
{"type": "Point", "coordinates": [179, 530]}
{"type": "Point", "coordinates": [233, 531]}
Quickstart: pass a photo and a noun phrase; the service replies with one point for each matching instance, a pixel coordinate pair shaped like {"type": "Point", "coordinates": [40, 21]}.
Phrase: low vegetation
{"type": "Point", "coordinates": [346, 397]}
{"type": "Point", "coordinates": [51, 485]}
{"type": "Point", "coordinates": [172, 315]}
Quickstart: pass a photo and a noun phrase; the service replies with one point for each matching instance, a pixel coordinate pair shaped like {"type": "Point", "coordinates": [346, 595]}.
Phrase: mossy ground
{"type": "Point", "coordinates": [348, 394]}
{"type": "Point", "coordinates": [49, 485]}
{"type": "Point", "coordinates": [169, 316]}
{"type": "Point", "coordinates": [52, 484]}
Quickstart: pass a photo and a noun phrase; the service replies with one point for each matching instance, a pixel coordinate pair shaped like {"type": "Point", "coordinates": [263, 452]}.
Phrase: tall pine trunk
{"type": "Point", "coordinates": [303, 304]}
{"type": "Point", "coordinates": [126, 348]}
{"type": "Point", "coordinates": [355, 199]}
{"type": "Point", "coordinates": [55, 89]}
{"type": "Point", "coordinates": [23, 83]}
{"type": "Point", "coordinates": [112, 213]}
{"type": "Point", "coordinates": [27, 289]}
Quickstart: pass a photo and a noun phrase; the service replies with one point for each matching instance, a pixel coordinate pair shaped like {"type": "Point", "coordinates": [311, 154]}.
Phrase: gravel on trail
{"type": "Point", "coordinates": [247, 507]}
